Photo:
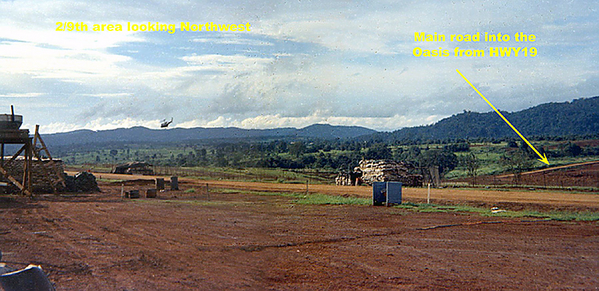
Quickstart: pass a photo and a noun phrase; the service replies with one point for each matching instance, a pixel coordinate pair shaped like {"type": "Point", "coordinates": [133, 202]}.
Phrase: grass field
{"type": "Point", "coordinates": [324, 199]}
{"type": "Point", "coordinates": [275, 175]}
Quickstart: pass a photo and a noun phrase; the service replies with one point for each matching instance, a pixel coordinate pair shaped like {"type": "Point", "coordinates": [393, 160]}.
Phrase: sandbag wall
{"type": "Point", "coordinates": [43, 174]}
{"type": "Point", "coordinates": [385, 171]}
{"type": "Point", "coordinates": [343, 180]}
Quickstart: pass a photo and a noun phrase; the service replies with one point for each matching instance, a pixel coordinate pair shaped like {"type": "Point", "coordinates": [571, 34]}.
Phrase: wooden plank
{"type": "Point", "coordinates": [38, 136]}
{"type": "Point", "coordinates": [58, 174]}
{"type": "Point", "coordinates": [37, 128]}
{"type": "Point", "coordinates": [29, 158]}
{"type": "Point", "coordinates": [26, 169]}
{"type": "Point", "coordinates": [18, 153]}
{"type": "Point", "coordinates": [15, 182]}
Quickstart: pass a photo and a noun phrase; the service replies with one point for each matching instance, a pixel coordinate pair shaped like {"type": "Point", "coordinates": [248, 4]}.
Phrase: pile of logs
{"type": "Point", "coordinates": [385, 171]}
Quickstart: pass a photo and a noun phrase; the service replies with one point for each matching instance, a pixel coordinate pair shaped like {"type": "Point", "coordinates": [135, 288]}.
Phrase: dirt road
{"type": "Point", "coordinates": [552, 169]}
{"type": "Point", "coordinates": [553, 200]}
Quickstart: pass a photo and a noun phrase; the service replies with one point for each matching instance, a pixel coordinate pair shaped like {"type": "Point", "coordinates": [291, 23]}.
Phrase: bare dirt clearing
{"type": "Point", "coordinates": [191, 241]}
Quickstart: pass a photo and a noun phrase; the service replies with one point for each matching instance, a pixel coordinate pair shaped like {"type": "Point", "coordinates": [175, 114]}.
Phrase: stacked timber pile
{"type": "Point", "coordinates": [44, 173]}
{"type": "Point", "coordinates": [343, 180]}
{"type": "Point", "coordinates": [386, 171]}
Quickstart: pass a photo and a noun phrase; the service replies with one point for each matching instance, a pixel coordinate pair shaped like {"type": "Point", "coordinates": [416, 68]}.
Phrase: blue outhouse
{"type": "Point", "coordinates": [386, 193]}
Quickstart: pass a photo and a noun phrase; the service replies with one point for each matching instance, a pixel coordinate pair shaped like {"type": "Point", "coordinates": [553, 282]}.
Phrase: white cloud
{"type": "Point", "coordinates": [21, 95]}
{"type": "Point", "coordinates": [96, 124]}
{"type": "Point", "coordinates": [338, 62]}
{"type": "Point", "coordinates": [68, 65]}
{"type": "Point", "coordinates": [277, 121]}
{"type": "Point", "coordinates": [233, 39]}
{"type": "Point", "coordinates": [234, 63]}
{"type": "Point", "coordinates": [109, 95]}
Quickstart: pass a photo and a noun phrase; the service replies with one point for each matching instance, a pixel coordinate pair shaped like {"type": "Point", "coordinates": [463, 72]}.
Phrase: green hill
{"type": "Point", "coordinates": [579, 117]}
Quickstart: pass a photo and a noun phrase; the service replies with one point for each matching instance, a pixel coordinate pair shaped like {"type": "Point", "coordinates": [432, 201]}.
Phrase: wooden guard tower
{"type": "Point", "coordinates": [11, 134]}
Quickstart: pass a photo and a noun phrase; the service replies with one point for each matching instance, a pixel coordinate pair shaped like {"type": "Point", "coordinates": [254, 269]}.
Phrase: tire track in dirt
{"type": "Point", "coordinates": [71, 244]}
{"type": "Point", "coordinates": [115, 232]}
{"type": "Point", "coordinates": [253, 248]}
{"type": "Point", "coordinates": [102, 248]}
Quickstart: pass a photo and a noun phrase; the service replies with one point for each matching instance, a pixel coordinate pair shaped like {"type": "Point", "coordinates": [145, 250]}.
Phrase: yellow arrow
{"type": "Point", "coordinates": [543, 157]}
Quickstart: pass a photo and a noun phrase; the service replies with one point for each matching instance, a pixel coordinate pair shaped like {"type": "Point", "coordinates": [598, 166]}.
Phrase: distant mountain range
{"type": "Point", "coordinates": [174, 135]}
{"type": "Point", "coordinates": [579, 117]}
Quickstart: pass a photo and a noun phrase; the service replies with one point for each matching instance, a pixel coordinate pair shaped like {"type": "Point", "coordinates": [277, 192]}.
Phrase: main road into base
{"type": "Point", "coordinates": [549, 198]}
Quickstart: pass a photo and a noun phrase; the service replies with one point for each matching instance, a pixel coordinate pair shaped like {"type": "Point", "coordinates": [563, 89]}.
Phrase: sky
{"type": "Point", "coordinates": [301, 63]}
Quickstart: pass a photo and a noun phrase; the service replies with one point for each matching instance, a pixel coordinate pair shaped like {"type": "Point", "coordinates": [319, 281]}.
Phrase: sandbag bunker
{"type": "Point", "coordinates": [31, 169]}
{"type": "Point", "coordinates": [151, 192]}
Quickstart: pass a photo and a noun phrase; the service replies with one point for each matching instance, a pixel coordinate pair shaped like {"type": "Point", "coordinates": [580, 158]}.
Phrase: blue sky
{"type": "Point", "coordinates": [303, 62]}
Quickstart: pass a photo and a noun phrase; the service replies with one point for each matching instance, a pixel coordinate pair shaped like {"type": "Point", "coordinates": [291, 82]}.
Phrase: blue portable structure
{"type": "Point", "coordinates": [386, 193]}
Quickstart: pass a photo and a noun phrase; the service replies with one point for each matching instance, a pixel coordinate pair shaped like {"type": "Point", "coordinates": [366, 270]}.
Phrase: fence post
{"type": "Point", "coordinates": [428, 196]}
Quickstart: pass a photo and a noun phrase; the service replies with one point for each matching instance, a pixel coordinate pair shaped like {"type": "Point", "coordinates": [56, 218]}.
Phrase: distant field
{"type": "Point", "coordinates": [172, 159]}
{"type": "Point", "coordinates": [583, 176]}
{"type": "Point", "coordinates": [490, 154]}
{"type": "Point", "coordinates": [296, 176]}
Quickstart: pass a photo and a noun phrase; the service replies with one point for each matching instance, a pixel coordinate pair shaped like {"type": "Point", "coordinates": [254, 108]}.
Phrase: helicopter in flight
{"type": "Point", "coordinates": [165, 123]}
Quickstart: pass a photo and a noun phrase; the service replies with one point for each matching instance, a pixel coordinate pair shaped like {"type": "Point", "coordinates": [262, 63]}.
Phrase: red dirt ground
{"type": "Point", "coordinates": [194, 241]}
